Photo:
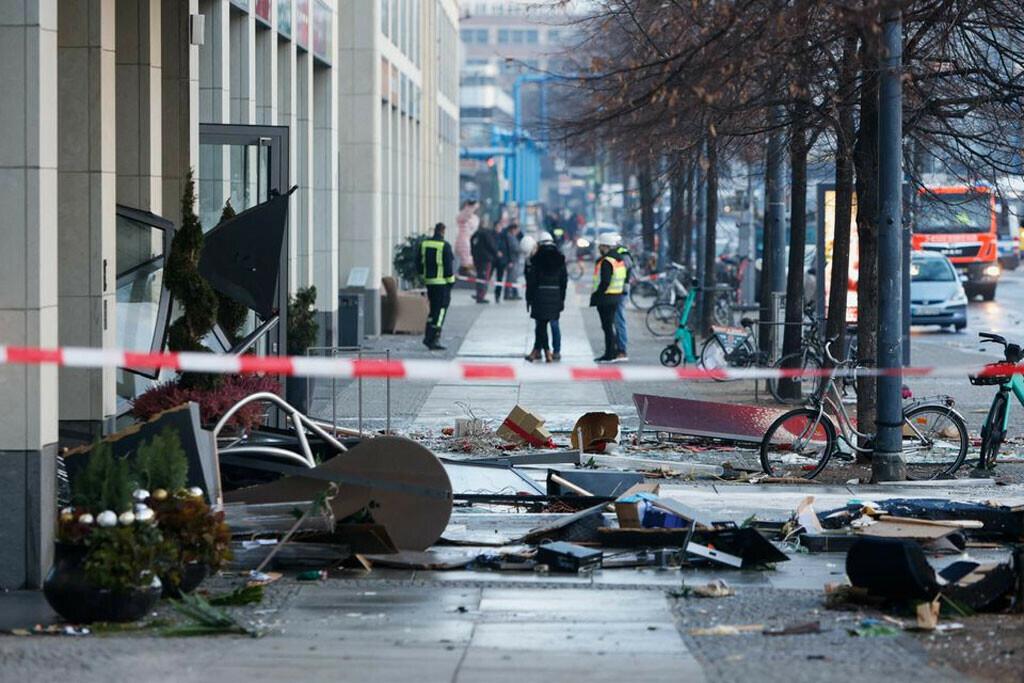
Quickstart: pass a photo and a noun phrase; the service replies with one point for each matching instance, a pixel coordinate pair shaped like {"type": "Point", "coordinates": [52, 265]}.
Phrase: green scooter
{"type": "Point", "coordinates": [682, 348]}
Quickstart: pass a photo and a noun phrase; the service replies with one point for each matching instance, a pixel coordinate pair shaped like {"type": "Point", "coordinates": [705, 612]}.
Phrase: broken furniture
{"type": "Point", "coordinates": [403, 312]}
{"type": "Point", "coordinates": [688, 417]}
{"type": "Point", "coordinates": [897, 569]}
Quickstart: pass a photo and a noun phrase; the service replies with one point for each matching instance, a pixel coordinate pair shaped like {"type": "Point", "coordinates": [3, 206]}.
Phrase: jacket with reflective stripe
{"type": "Point", "coordinates": [436, 262]}
{"type": "Point", "coordinates": [618, 280]}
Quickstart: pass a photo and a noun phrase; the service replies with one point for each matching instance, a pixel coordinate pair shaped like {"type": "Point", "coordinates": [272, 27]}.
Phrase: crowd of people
{"type": "Point", "coordinates": [488, 255]}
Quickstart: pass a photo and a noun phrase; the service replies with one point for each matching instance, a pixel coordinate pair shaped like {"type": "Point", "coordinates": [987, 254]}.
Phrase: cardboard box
{"type": "Point", "coordinates": [522, 426]}
{"type": "Point", "coordinates": [631, 506]}
{"type": "Point", "coordinates": [594, 431]}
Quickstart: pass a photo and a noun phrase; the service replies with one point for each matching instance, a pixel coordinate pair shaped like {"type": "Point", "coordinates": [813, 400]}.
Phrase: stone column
{"type": "Point", "coordinates": [325, 204]}
{"type": "Point", "coordinates": [180, 93]}
{"type": "Point", "coordinates": [359, 125]}
{"type": "Point", "coordinates": [87, 276]}
{"type": "Point", "coordinates": [214, 107]}
{"type": "Point", "coordinates": [139, 106]}
{"type": "Point", "coordinates": [28, 286]}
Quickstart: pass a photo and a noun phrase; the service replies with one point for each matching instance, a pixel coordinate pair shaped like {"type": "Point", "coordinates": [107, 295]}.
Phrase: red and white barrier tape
{"type": "Point", "coordinates": [433, 370]}
{"type": "Point", "coordinates": [474, 280]}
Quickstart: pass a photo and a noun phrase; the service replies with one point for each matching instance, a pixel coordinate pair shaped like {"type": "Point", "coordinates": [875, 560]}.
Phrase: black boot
{"type": "Point", "coordinates": [429, 336]}
{"type": "Point", "coordinates": [497, 294]}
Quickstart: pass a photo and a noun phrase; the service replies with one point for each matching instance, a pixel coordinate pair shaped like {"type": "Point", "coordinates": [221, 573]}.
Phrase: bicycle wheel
{"type": "Point", "coordinates": [713, 356]}
{"type": "Point", "coordinates": [662, 320]}
{"type": "Point", "coordinates": [798, 444]}
{"type": "Point", "coordinates": [643, 294]}
{"type": "Point", "coordinates": [723, 310]}
{"type": "Point", "coordinates": [804, 385]}
{"type": "Point", "coordinates": [671, 356]}
{"type": "Point", "coordinates": [992, 432]}
{"type": "Point", "coordinates": [934, 441]}
{"type": "Point", "coordinates": [575, 270]}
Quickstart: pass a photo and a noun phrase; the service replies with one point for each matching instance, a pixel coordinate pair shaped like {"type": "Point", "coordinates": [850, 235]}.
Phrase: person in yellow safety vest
{"type": "Point", "coordinates": [623, 253]}
{"type": "Point", "coordinates": [609, 285]}
{"type": "Point", "coordinates": [437, 265]}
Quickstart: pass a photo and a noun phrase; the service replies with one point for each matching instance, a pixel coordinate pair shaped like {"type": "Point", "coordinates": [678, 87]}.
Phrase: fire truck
{"type": "Point", "coordinates": [959, 222]}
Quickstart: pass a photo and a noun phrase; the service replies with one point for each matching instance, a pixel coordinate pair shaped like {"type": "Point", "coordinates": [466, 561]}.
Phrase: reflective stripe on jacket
{"type": "Point", "coordinates": [618, 281]}
{"type": "Point", "coordinates": [432, 263]}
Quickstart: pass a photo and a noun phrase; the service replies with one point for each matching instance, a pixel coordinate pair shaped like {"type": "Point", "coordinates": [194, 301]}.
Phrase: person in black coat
{"type": "Point", "coordinates": [546, 282]}
{"type": "Point", "coordinates": [484, 246]}
{"type": "Point", "coordinates": [505, 267]}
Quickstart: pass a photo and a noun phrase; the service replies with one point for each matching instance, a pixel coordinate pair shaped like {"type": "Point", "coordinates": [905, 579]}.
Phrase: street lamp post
{"type": "Point", "coordinates": [887, 463]}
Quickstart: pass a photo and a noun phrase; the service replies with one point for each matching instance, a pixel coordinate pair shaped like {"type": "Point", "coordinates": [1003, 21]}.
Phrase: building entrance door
{"type": "Point", "coordinates": [243, 165]}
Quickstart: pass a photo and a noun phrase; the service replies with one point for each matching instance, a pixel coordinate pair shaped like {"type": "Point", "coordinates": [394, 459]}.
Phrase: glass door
{"type": "Point", "coordinates": [243, 165]}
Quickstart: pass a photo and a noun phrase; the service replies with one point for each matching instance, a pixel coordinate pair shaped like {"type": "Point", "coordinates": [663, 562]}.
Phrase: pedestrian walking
{"type": "Point", "coordinates": [546, 282]}
{"type": "Point", "coordinates": [468, 222]}
{"type": "Point", "coordinates": [437, 265]}
{"type": "Point", "coordinates": [504, 268]}
{"type": "Point", "coordinates": [621, 329]}
{"type": "Point", "coordinates": [484, 246]}
{"type": "Point", "coordinates": [609, 284]}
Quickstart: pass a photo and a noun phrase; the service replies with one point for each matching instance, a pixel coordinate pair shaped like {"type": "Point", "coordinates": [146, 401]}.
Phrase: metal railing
{"type": "Point", "coordinates": [358, 353]}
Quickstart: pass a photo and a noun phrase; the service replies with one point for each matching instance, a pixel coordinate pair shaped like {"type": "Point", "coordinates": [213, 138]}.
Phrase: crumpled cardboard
{"type": "Point", "coordinates": [521, 426]}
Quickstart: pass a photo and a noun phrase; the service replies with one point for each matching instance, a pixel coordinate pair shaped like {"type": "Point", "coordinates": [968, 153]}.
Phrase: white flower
{"type": "Point", "coordinates": [126, 518]}
{"type": "Point", "coordinates": [86, 519]}
{"type": "Point", "coordinates": [195, 492]}
{"type": "Point", "coordinates": [107, 519]}
{"type": "Point", "coordinates": [140, 495]}
{"type": "Point", "coordinates": [145, 515]}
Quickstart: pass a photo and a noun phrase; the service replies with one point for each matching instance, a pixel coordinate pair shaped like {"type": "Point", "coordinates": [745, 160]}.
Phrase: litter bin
{"type": "Point", "coordinates": [351, 317]}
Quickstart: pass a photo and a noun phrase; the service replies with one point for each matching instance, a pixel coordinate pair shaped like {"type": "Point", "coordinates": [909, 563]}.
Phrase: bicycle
{"type": "Point", "coordinates": [993, 430]}
{"type": "Point", "coordinates": [681, 348]}
{"type": "Point", "coordinates": [808, 359]}
{"type": "Point", "coordinates": [646, 292]}
{"type": "Point", "coordinates": [732, 347]}
{"type": "Point", "coordinates": [800, 442]}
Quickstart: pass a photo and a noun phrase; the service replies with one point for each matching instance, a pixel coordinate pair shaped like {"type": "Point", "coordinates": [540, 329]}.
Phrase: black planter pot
{"type": "Point", "coordinates": [295, 393]}
{"type": "Point", "coordinates": [73, 597]}
{"type": "Point", "coordinates": [192, 575]}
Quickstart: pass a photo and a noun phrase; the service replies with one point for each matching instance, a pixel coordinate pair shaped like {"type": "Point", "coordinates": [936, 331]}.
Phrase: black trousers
{"type": "Point", "coordinates": [500, 270]}
{"type": "Point", "coordinates": [611, 341]}
{"type": "Point", "coordinates": [540, 336]}
{"type": "Point", "coordinates": [483, 274]}
{"type": "Point", "coordinates": [439, 297]}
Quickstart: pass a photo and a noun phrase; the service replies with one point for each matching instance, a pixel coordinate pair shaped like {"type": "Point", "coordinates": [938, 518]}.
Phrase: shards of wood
{"type": "Point", "coordinates": [715, 589]}
{"type": "Point", "coordinates": [727, 630]}
{"type": "Point", "coordinates": [999, 522]}
{"type": "Point", "coordinates": [426, 560]}
{"type": "Point", "coordinates": [271, 518]}
{"type": "Point", "coordinates": [798, 629]}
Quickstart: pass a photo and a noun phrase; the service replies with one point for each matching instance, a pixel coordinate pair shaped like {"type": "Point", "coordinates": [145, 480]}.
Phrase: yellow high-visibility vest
{"type": "Point", "coordinates": [438, 278]}
{"type": "Point", "coordinates": [618, 283]}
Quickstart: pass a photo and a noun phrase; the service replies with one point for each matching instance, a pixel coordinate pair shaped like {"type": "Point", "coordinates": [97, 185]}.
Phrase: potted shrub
{"type": "Point", "coordinates": [200, 308]}
{"type": "Point", "coordinates": [302, 331]}
{"type": "Point", "coordinates": [108, 555]}
{"type": "Point", "coordinates": [407, 262]}
{"type": "Point", "coordinates": [198, 539]}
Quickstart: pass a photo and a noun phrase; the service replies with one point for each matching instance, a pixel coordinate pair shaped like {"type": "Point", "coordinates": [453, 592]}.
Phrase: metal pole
{"type": "Point", "coordinates": [887, 463]}
{"type": "Point", "coordinates": [748, 240]}
{"type": "Point", "coordinates": [387, 393]}
{"type": "Point", "coordinates": [775, 221]}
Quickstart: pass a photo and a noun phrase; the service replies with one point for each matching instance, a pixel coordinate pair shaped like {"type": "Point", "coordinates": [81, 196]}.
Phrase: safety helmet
{"type": "Point", "coordinates": [608, 239]}
{"type": "Point", "coordinates": [544, 236]}
{"type": "Point", "coordinates": [527, 245]}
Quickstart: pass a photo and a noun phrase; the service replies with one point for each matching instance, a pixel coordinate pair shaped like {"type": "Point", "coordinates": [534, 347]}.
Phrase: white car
{"type": "Point", "coordinates": [936, 294]}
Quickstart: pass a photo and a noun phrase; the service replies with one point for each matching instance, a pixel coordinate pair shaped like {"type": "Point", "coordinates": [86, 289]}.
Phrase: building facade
{"type": "Point", "coordinates": [110, 104]}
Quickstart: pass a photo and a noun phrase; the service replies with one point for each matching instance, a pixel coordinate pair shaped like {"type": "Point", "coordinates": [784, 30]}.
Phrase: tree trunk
{"type": "Point", "coordinates": [677, 219]}
{"type": "Point", "coordinates": [711, 221]}
{"type": "Point", "coordinates": [793, 331]}
{"type": "Point", "coordinates": [836, 326]}
{"type": "Point", "coordinates": [646, 206]}
{"type": "Point", "coordinates": [866, 166]}
{"type": "Point", "coordinates": [691, 177]}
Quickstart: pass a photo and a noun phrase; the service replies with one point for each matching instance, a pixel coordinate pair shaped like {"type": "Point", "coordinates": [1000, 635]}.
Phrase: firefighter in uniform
{"type": "Point", "coordinates": [609, 285]}
{"type": "Point", "coordinates": [623, 253]}
{"type": "Point", "coordinates": [437, 265]}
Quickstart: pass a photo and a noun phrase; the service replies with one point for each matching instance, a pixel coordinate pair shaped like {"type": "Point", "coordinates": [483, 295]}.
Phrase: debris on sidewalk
{"type": "Point", "coordinates": [594, 431]}
{"type": "Point", "coordinates": [524, 427]}
{"type": "Point", "coordinates": [568, 557]}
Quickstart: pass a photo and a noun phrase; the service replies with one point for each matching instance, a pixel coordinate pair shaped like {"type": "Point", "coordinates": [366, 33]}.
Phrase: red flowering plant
{"type": "Point", "coordinates": [213, 403]}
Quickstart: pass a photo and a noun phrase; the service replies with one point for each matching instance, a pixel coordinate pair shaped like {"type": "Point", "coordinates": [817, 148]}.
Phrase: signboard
{"type": "Point", "coordinates": [826, 243]}
{"type": "Point", "coordinates": [284, 17]}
